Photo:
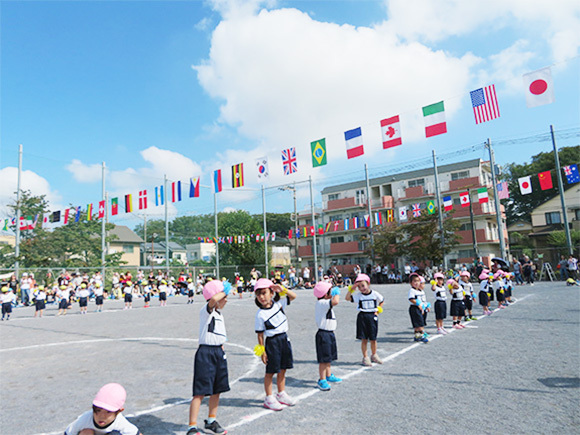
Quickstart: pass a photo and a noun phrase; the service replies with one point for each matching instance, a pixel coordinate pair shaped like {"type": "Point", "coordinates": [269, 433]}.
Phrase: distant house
{"type": "Point", "coordinates": [200, 251]}
{"type": "Point", "coordinates": [155, 253]}
{"type": "Point", "coordinates": [127, 242]}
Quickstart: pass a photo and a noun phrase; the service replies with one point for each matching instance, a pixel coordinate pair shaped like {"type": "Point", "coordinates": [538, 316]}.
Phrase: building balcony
{"type": "Point", "coordinates": [386, 201]}
{"type": "Point", "coordinates": [337, 204]}
{"type": "Point", "coordinates": [346, 248]}
{"type": "Point", "coordinates": [482, 237]}
{"type": "Point", "coordinates": [305, 251]}
{"type": "Point", "coordinates": [464, 183]}
{"type": "Point", "coordinates": [416, 192]}
{"type": "Point", "coordinates": [478, 210]}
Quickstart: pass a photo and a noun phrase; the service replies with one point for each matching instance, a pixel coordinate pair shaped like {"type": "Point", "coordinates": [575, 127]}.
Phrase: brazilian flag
{"type": "Point", "coordinates": [431, 207]}
{"type": "Point", "coordinates": [318, 152]}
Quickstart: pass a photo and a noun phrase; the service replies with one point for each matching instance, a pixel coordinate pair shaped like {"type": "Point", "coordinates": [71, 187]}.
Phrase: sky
{"type": "Point", "coordinates": [182, 88]}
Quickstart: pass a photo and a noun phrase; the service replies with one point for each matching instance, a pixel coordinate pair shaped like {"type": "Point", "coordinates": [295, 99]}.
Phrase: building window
{"type": "Point", "coordinates": [459, 175]}
{"type": "Point", "coordinates": [553, 217]}
{"type": "Point", "coordinates": [417, 182]}
{"type": "Point", "coordinates": [465, 253]}
{"type": "Point", "coordinates": [465, 227]}
{"type": "Point", "coordinates": [360, 196]}
{"type": "Point", "coordinates": [333, 196]}
{"type": "Point", "coordinates": [338, 239]}
{"type": "Point", "coordinates": [128, 249]}
{"type": "Point", "coordinates": [577, 214]}
{"type": "Point", "coordinates": [335, 217]}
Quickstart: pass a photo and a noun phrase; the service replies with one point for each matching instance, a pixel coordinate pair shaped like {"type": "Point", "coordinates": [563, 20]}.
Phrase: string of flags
{"type": "Point", "coordinates": [545, 179]}
{"type": "Point", "coordinates": [239, 239]}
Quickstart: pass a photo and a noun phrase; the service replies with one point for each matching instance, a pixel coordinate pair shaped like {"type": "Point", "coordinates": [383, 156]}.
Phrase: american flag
{"type": "Point", "coordinates": [502, 190]}
{"type": "Point", "coordinates": [416, 210]}
{"type": "Point", "coordinates": [289, 161]}
{"type": "Point", "coordinates": [484, 102]}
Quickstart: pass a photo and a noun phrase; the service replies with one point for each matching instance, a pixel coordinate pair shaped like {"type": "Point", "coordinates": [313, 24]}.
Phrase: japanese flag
{"type": "Point", "coordinates": [539, 87]}
{"type": "Point", "coordinates": [525, 185]}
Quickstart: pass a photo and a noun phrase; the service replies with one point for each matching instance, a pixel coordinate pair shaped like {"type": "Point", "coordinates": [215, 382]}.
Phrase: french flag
{"type": "Point", "coordinates": [354, 143]}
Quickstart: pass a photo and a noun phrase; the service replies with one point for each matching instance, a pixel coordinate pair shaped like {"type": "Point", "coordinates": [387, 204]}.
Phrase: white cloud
{"type": "Point", "coordinates": [85, 173]}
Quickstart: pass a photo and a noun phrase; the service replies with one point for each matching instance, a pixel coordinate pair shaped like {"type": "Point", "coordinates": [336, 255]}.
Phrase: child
{"type": "Point", "coordinates": [146, 293]}
{"type": "Point", "coordinates": [498, 287]}
{"type": "Point", "coordinates": [210, 373]}
{"type": "Point", "coordinates": [457, 305]}
{"type": "Point", "coordinates": [39, 300]}
{"type": "Point", "coordinates": [128, 294]}
{"type": "Point", "coordinates": [468, 293]}
{"type": "Point", "coordinates": [419, 307]}
{"type": "Point", "coordinates": [440, 302]}
{"type": "Point", "coordinates": [106, 415]}
{"type": "Point", "coordinates": [63, 295]}
{"type": "Point", "coordinates": [369, 305]}
{"type": "Point", "coordinates": [7, 299]}
{"type": "Point", "coordinates": [240, 286]}
{"type": "Point", "coordinates": [98, 291]}
{"type": "Point", "coordinates": [163, 293]}
{"type": "Point", "coordinates": [483, 292]}
{"type": "Point", "coordinates": [508, 284]}
{"type": "Point", "coordinates": [326, 351]}
{"type": "Point", "coordinates": [190, 291]}
{"type": "Point", "coordinates": [274, 347]}
{"type": "Point", "coordinates": [84, 298]}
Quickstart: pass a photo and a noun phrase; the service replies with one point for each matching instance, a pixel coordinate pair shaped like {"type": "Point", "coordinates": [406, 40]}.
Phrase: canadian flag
{"type": "Point", "coordinates": [464, 198]}
{"type": "Point", "coordinates": [525, 185]}
{"type": "Point", "coordinates": [391, 130]}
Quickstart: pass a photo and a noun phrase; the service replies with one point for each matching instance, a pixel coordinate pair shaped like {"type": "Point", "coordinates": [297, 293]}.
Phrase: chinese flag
{"type": "Point", "coordinates": [545, 180]}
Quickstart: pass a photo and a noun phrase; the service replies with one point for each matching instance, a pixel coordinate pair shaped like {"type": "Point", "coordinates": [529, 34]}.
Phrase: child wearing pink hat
{"type": "Point", "coordinates": [274, 346]}
{"type": "Point", "coordinates": [457, 306]}
{"type": "Point", "coordinates": [484, 291]}
{"type": "Point", "coordinates": [370, 305]}
{"type": "Point", "coordinates": [210, 373]}
{"type": "Point", "coordinates": [106, 416]}
{"type": "Point", "coordinates": [440, 302]}
{"type": "Point", "coordinates": [469, 295]}
{"type": "Point", "coordinates": [419, 307]}
{"type": "Point", "coordinates": [326, 350]}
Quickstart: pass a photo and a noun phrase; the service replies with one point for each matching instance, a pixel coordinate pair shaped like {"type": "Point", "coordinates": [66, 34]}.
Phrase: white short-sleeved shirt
{"type": "Point", "coordinates": [128, 290]}
{"type": "Point", "coordinates": [324, 315]}
{"type": "Point", "coordinates": [467, 287]}
{"type": "Point", "coordinates": [367, 303]}
{"type": "Point", "coordinates": [416, 294]}
{"type": "Point", "coordinates": [8, 297]}
{"type": "Point", "coordinates": [40, 295]}
{"type": "Point", "coordinates": [457, 293]}
{"type": "Point", "coordinates": [483, 285]}
{"type": "Point", "coordinates": [272, 321]}
{"type": "Point", "coordinates": [84, 293]}
{"type": "Point", "coordinates": [212, 327]}
{"type": "Point", "coordinates": [162, 288]}
{"type": "Point", "coordinates": [85, 421]}
{"type": "Point", "coordinates": [440, 293]}
{"type": "Point", "coordinates": [98, 291]}
{"type": "Point", "coordinates": [508, 283]}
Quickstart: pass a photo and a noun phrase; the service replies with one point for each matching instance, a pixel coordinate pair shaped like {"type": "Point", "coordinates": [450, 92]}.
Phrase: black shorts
{"type": "Point", "coordinates": [147, 297]}
{"type": "Point", "coordinates": [440, 310]}
{"type": "Point", "coordinates": [326, 346]}
{"type": "Point", "coordinates": [83, 302]}
{"type": "Point", "coordinates": [162, 296]}
{"type": "Point", "coordinates": [40, 305]}
{"type": "Point", "coordinates": [367, 326]}
{"type": "Point", "coordinates": [457, 309]}
{"type": "Point", "coordinates": [490, 295]}
{"type": "Point", "coordinates": [508, 292]}
{"type": "Point", "coordinates": [99, 300]}
{"type": "Point", "coordinates": [6, 308]}
{"type": "Point", "coordinates": [128, 297]}
{"type": "Point", "coordinates": [468, 303]}
{"type": "Point", "coordinates": [500, 296]}
{"type": "Point", "coordinates": [483, 299]}
{"type": "Point", "coordinates": [190, 293]}
{"type": "Point", "coordinates": [63, 304]}
{"type": "Point", "coordinates": [417, 318]}
{"type": "Point", "coordinates": [279, 353]}
{"type": "Point", "coordinates": [210, 371]}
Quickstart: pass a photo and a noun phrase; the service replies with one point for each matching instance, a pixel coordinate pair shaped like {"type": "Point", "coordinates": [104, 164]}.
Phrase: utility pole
{"type": "Point", "coordinates": [103, 225]}
{"type": "Point", "coordinates": [438, 198]}
{"type": "Point", "coordinates": [496, 200]}
{"type": "Point", "coordinates": [314, 250]}
{"type": "Point", "coordinates": [473, 233]}
{"type": "Point", "coordinates": [370, 215]}
{"type": "Point", "coordinates": [166, 226]}
{"type": "Point", "coordinates": [217, 245]}
{"type": "Point", "coordinates": [561, 190]}
{"type": "Point", "coordinates": [18, 205]}
{"type": "Point", "coordinates": [265, 231]}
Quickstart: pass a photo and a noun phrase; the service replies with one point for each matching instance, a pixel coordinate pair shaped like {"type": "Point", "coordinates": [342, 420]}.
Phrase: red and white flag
{"type": "Point", "coordinates": [464, 198]}
{"type": "Point", "coordinates": [525, 185]}
{"type": "Point", "coordinates": [101, 209]}
{"type": "Point", "coordinates": [391, 131]}
{"type": "Point", "coordinates": [142, 199]}
{"type": "Point", "coordinates": [539, 87]}
{"type": "Point", "coordinates": [354, 143]}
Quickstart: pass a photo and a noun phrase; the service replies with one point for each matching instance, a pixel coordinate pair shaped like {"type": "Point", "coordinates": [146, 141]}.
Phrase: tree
{"type": "Point", "coordinates": [30, 205]}
{"type": "Point", "coordinates": [240, 223]}
{"type": "Point", "coordinates": [519, 207]}
{"type": "Point", "coordinates": [558, 238]}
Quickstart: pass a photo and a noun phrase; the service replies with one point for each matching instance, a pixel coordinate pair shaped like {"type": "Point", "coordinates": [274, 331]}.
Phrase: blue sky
{"type": "Point", "coordinates": [186, 87]}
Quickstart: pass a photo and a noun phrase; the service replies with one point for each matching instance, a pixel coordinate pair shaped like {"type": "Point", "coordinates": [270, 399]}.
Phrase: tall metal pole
{"type": "Point", "coordinates": [473, 233]}
{"type": "Point", "coordinates": [496, 200]}
{"type": "Point", "coordinates": [265, 231]}
{"type": "Point", "coordinates": [166, 226]}
{"type": "Point", "coordinates": [314, 250]}
{"type": "Point", "coordinates": [217, 245]}
{"type": "Point", "coordinates": [17, 242]}
{"type": "Point", "coordinates": [370, 215]}
{"type": "Point", "coordinates": [103, 227]}
{"type": "Point", "coordinates": [440, 211]}
{"type": "Point", "coordinates": [561, 190]}
{"type": "Point", "coordinates": [295, 223]}
{"type": "Point", "coordinates": [145, 236]}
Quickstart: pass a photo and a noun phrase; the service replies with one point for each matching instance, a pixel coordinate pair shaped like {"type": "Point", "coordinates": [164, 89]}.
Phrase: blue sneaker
{"type": "Point", "coordinates": [323, 385]}
{"type": "Point", "coordinates": [333, 378]}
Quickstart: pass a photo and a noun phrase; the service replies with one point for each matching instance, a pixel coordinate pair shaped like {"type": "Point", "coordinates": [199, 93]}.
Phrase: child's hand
{"type": "Point", "coordinates": [264, 358]}
{"type": "Point", "coordinates": [277, 288]}
{"type": "Point", "coordinates": [87, 432]}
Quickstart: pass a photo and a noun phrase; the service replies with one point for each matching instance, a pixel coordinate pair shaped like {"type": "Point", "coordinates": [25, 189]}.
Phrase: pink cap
{"type": "Point", "coordinates": [464, 273]}
{"type": "Point", "coordinates": [439, 275]}
{"type": "Point", "coordinates": [498, 274]}
{"type": "Point", "coordinates": [484, 275]}
{"type": "Point", "coordinates": [321, 288]}
{"type": "Point", "coordinates": [421, 279]}
{"type": "Point", "coordinates": [362, 277]}
{"type": "Point", "coordinates": [110, 397]}
{"type": "Point", "coordinates": [450, 283]}
{"type": "Point", "coordinates": [263, 283]}
{"type": "Point", "coordinates": [212, 288]}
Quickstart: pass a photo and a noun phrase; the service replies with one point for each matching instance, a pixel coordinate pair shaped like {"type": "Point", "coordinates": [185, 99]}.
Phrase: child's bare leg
{"type": "Point", "coordinates": [373, 347]}
{"type": "Point", "coordinates": [363, 347]}
{"type": "Point", "coordinates": [323, 369]}
{"type": "Point", "coordinates": [281, 381]}
{"type": "Point", "coordinates": [214, 402]}
{"type": "Point", "coordinates": [268, 383]}
{"type": "Point", "coordinates": [194, 409]}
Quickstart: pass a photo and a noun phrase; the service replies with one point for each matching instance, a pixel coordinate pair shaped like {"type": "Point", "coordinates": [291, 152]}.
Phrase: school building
{"type": "Point", "coordinates": [346, 205]}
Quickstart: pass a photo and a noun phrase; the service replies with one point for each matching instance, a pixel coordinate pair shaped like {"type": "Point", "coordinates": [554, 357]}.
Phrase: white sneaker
{"type": "Point", "coordinates": [270, 402]}
{"type": "Point", "coordinates": [285, 399]}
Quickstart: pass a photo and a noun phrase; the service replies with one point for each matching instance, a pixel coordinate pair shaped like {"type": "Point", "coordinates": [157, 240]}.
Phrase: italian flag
{"type": "Point", "coordinates": [434, 119]}
{"type": "Point", "coordinates": [482, 195]}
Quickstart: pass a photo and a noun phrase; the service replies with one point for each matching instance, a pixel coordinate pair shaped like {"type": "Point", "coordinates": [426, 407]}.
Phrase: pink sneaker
{"type": "Point", "coordinates": [457, 327]}
{"type": "Point", "coordinates": [461, 326]}
{"type": "Point", "coordinates": [444, 331]}
{"type": "Point", "coordinates": [285, 399]}
{"type": "Point", "coordinates": [270, 402]}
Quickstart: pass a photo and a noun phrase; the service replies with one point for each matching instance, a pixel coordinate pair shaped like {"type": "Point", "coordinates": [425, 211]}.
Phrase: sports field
{"type": "Point", "coordinates": [517, 371]}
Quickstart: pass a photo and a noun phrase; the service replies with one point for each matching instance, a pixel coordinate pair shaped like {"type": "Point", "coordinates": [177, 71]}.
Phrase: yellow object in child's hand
{"type": "Point", "coordinates": [259, 350]}
{"type": "Point", "coordinates": [433, 282]}
{"type": "Point", "coordinates": [489, 295]}
{"type": "Point", "coordinates": [379, 310]}
{"type": "Point", "coordinates": [283, 292]}
{"type": "Point", "coordinates": [464, 293]}
{"type": "Point", "coordinates": [351, 290]}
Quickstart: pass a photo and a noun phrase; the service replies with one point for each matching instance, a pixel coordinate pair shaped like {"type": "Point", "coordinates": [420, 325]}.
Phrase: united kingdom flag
{"type": "Point", "coordinates": [289, 161]}
{"type": "Point", "coordinates": [416, 210]}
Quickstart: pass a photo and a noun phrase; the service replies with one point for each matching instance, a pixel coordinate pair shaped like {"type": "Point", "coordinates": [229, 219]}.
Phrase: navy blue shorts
{"type": "Point", "coordinates": [418, 320]}
{"type": "Point", "coordinates": [457, 309]}
{"type": "Point", "coordinates": [210, 371]}
{"type": "Point", "coordinates": [162, 296]}
{"type": "Point", "coordinates": [279, 353]}
{"type": "Point", "coordinates": [147, 297]}
{"type": "Point", "coordinates": [326, 346]}
{"type": "Point", "coordinates": [440, 310]}
{"type": "Point", "coordinates": [367, 326]}
{"type": "Point", "coordinates": [468, 303]}
{"type": "Point", "coordinates": [500, 296]}
{"type": "Point", "coordinates": [128, 297]}
{"type": "Point", "coordinates": [490, 295]}
{"type": "Point", "coordinates": [6, 308]}
{"type": "Point", "coordinates": [83, 302]}
{"type": "Point", "coordinates": [99, 300]}
{"type": "Point", "coordinates": [63, 304]}
{"type": "Point", "coordinates": [483, 299]}
{"type": "Point", "coordinates": [40, 305]}
{"type": "Point", "coordinates": [508, 292]}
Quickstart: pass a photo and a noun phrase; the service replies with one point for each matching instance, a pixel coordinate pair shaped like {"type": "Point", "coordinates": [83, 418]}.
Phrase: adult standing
{"type": "Point", "coordinates": [320, 272]}
{"type": "Point", "coordinates": [573, 267]}
{"type": "Point", "coordinates": [357, 270]}
{"type": "Point", "coordinates": [563, 266]}
{"type": "Point", "coordinates": [306, 274]}
{"type": "Point", "coordinates": [292, 276]}
{"type": "Point", "coordinates": [25, 284]}
{"type": "Point", "coordinates": [528, 270]}
{"type": "Point", "coordinates": [407, 272]}
{"type": "Point", "coordinates": [518, 271]}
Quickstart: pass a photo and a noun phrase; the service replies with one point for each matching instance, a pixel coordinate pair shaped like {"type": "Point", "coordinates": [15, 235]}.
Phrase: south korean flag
{"type": "Point", "coordinates": [262, 168]}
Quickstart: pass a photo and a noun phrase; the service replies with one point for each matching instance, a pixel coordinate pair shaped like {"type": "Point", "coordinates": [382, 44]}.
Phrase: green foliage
{"type": "Point", "coordinates": [240, 223]}
{"type": "Point", "coordinates": [30, 205]}
{"type": "Point", "coordinates": [558, 238]}
{"type": "Point", "coordinates": [519, 207]}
